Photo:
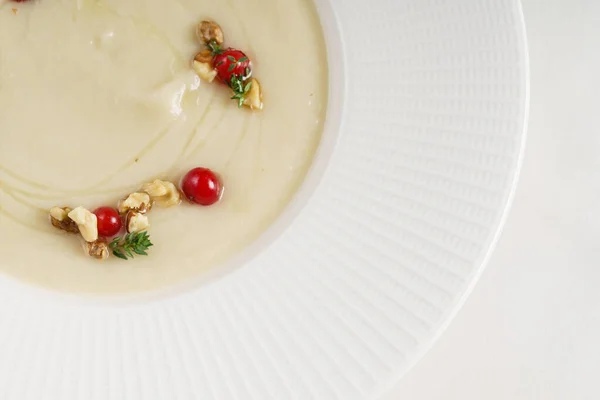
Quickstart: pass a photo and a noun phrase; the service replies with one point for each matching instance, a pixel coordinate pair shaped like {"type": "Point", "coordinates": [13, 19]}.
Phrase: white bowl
{"type": "Point", "coordinates": [353, 284]}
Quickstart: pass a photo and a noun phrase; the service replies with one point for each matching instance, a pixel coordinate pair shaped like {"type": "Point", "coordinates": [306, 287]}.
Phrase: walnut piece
{"type": "Point", "coordinates": [138, 201]}
{"type": "Point", "coordinates": [60, 213]}
{"type": "Point", "coordinates": [253, 98]}
{"type": "Point", "coordinates": [208, 31]}
{"type": "Point", "coordinates": [59, 217]}
{"type": "Point", "coordinates": [136, 222]}
{"type": "Point", "coordinates": [98, 249]}
{"type": "Point", "coordinates": [205, 56]}
{"type": "Point", "coordinates": [86, 222]}
{"type": "Point", "coordinates": [204, 70]}
{"type": "Point", "coordinates": [164, 193]}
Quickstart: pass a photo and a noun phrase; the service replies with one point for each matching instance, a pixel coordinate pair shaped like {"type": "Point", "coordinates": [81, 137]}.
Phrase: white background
{"type": "Point", "coordinates": [531, 328]}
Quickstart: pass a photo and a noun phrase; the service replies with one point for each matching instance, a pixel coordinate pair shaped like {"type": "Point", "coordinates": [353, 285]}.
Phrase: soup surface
{"type": "Point", "coordinates": [98, 96]}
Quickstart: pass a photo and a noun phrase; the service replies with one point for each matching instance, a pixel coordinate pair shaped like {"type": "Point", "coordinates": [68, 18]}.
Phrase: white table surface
{"type": "Point", "coordinates": [531, 328]}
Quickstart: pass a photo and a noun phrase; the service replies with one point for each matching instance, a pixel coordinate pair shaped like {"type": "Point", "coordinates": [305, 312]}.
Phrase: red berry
{"type": "Point", "coordinates": [230, 62]}
{"type": "Point", "coordinates": [109, 221]}
{"type": "Point", "coordinates": [201, 186]}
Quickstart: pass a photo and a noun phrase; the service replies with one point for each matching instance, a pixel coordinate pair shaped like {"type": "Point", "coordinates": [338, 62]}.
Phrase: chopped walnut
{"type": "Point", "coordinates": [138, 201]}
{"type": "Point", "coordinates": [205, 56]}
{"type": "Point", "coordinates": [253, 98]}
{"type": "Point", "coordinates": [59, 217]}
{"type": "Point", "coordinates": [204, 70]}
{"type": "Point", "coordinates": [208, 31]}
{"type": "Point", "coordinates": [97, 249]}
{"type": "Point", "coordinates": [60, 213]}
{"type": "Point", "coordinates": [164, 193]}
{"type": "Point", "coordinates": [136, 222]}
{"type": "Point", "coordinates": [86, 222]}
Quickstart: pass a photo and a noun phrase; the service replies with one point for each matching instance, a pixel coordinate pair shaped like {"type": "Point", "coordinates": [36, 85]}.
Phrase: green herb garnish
{"type": "Point", "coordinates": [239, 89]}
{"type": "Point", "coordinates": [235, 63]}
{"type": "Point", "coordinates": [132, 244]}
{"type": "Point", "coordinates": [214, 47]}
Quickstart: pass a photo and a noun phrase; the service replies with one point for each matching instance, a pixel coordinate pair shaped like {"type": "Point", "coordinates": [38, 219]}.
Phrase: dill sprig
{"type": "Point", "coordinates": [240, 87]}
{"type": "Point", "coordinates": [214, 47]}
{"type": "Point", "coordinates": [132, 244]}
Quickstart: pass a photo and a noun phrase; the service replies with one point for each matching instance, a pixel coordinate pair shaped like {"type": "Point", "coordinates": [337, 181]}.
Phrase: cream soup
{"type": "Point", "coordinates": [98, 97]}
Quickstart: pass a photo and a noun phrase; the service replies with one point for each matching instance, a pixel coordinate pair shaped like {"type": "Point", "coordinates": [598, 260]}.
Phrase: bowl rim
{"type": "Point", "coordinates": [453, 310]}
